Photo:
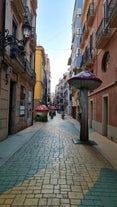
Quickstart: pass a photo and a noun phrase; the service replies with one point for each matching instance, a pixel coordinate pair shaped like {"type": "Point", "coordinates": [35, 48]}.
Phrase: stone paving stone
{"type": "Point", "coordinates": [76, 188]}
{"type": "Point", "coordinates": [65, 201]}
{"type": "Point", "coordinates": [47, 191]}
{"type": "Point", "coordinates": [54, 181]}
{"type": "Point", "coordinates": [43, 202]}
{"type": "Point", "coordinates": [53, 202]}
{"type": "Point", "coordinates": [62, 181]}
{"type": "Point", "coordinates": [66, 205]}
{"type": "Point", "coordinates": [19, 200]}
{"type": "Point", "coordinates": [31, 202]}
{"type": "Point", "coordinates": [75, 195]}
{"type": "Point", "coordinates": [50, 195]}
{"type": "Point", "coordinates": [31, 196]}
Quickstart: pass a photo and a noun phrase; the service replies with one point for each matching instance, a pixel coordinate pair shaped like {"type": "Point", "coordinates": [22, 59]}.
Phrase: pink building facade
{"type": "Point", "coordinates": [99, 47]}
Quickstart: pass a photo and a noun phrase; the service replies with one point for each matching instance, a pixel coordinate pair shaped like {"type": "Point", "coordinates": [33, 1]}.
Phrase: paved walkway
{"type": "Point", "coordinates": [42, 167]}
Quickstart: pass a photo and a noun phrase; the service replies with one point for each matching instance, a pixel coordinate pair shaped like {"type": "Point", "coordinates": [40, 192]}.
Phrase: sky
{"type": "Point", "coordinates": [54, 33]}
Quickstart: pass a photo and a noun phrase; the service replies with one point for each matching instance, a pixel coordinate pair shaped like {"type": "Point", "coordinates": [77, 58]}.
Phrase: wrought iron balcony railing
{"type": "Point", "coordinates": [90, 14]}
{"type": "Point", "coordinates": [88, 56]}
{"type": "Point", "coordinates": [27, 16]}
{"type": "Point", "coordinates": [112, 13]}
{"type": "Point", "coordinates": [85, 31]}
{"type": "Point", "coordinates": [103, 34]}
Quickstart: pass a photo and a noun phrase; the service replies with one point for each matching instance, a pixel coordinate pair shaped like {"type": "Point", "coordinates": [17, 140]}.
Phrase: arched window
{"type": "Point", "coordinates": [105, 61]}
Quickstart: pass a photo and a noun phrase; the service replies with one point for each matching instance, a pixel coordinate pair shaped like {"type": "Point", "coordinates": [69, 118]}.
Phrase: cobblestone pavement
{"type": "Point", "coordinates": [50, 171]}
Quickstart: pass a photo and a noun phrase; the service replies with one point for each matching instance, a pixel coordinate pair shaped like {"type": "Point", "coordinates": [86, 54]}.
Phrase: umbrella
{"type": "Point", "coordinates": [42, 108]}
{"type": "Point", "coordinates": [52, 108]}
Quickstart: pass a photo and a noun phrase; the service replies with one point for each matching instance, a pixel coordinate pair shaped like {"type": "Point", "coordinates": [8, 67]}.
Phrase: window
{"type": "Point", "coordinates": [14, 29]}
{"type": "Point", "coordinates": [105, 61]}
{"type": "Point", "coordinates": [22, 100]}
{"type": "Point", "coordinates": [92, 45]}
{"type": "Point", "coordinates": [24, 2]}
{"type": "Point", "coordinates": [78, 51]}
{"type": "Point", "coordinates": [78, 12]}
{"type": "Point", "coordinates": [78, 32]}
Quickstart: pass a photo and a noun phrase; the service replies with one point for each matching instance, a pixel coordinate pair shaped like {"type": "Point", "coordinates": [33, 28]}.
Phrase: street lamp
{"type": "Point", "coordinates": [7, 39]}
{"type": "Point", "coordinates": [26, 29]}
{"type": "Point", "coordinates": [84, 81]}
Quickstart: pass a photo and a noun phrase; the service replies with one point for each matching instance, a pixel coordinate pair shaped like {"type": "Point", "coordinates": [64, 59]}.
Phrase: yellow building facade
{"type": "Point", "coordinates": [38, 85]}
{"type": "Point", "coordinates": [40, 91]}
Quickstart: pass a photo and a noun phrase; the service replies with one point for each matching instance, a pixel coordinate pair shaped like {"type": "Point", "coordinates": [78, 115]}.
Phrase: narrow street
{"type": "Point", "coordinates": [50, 170]}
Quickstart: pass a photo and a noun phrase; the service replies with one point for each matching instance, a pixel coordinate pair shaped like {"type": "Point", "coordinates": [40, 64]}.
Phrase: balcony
{"type": "Point", "coordinates": [18, 57]}
{"type": "Point", "coordinates": [18, 8]}
{"type": "Point", "coordinates": [33, 5]}
{"type": "Point", "coordinates": [28, 69]}
{"type": "Point", "coordinates": [88, 56]}
{"type": "Point", "coordinates": [85, 31]}
{"type": "Point", "coordinates": [112, 13]}
{"type": "Point", "coordinates": [90, 15]}
{"type": "Point", "coordinates": [33, 37]}
{"type": "Point", "coordinates": [103, 34]}
{"type": "Point", "coordinates": [82, 42]}
{"type": "Point", "coordinates": [27, 17]}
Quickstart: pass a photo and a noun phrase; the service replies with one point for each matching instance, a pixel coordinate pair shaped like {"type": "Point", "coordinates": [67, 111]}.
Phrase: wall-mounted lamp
{"type": "Point", "coordinates": [26, 29]}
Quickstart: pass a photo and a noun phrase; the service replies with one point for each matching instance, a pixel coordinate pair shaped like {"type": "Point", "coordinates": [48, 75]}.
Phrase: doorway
{"type": "Point", "coordinates": [11, 123]}
{"type": "Point", "coordinates": [74, 112]}
{"type": "Point", "coordinates": [105, 116]}
{"type": "Point", "coordinates": [91, 113]}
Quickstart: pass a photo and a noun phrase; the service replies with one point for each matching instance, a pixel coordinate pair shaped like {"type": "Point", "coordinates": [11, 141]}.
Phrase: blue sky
{"type": "Point", "coordinates": [54, 19]}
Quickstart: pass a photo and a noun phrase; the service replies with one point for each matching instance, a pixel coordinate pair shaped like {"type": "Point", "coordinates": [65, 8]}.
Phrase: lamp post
{"type": "Point", "coordinates": [84, 81]}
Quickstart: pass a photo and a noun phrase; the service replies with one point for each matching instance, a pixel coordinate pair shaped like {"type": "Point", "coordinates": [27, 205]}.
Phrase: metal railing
{"type": "Point", "coordinates": [27, 15]}
{"type": "Point", "coordinates": [103, 29]}
{"type": "Point", "coordinates": [112, 8]}
{"type": "Point", "coordinates": [91, 10]}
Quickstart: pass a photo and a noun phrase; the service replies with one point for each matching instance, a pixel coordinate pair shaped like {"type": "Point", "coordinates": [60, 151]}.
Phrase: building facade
{"type": "Point", "coordinates": [48, 75]}
{"type": "Point", "coordinates": [62, 95]}
{"type": "Point", "coordinates": [76, 53]}
{"type": "Point", "coordinates": [17, 66]}
{"type": "Point", "coordinates": [43, 78]}
{"type": "Point", "coordinates": [76, 56]}
{"type": "Point", "coordinates": [99, 47]}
